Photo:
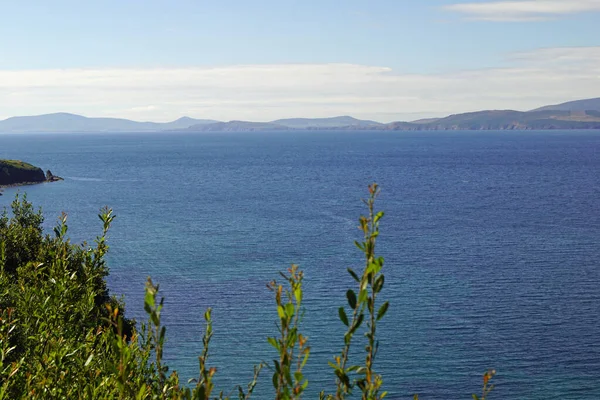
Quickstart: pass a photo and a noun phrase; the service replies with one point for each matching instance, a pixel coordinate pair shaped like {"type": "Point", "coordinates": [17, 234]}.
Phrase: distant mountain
{"type": "Point", "coordinates": [506, 120]}
{"type": "Point", "coordinates": [577, 105]}
{"type": "Point", "coordinates": [334, 122]}
{"type": "Point", "coordinates": [580, 114]}
{"type": "Point", "coordinates": [424, 121]}
{"type": "Point", "coordinates": [185, 122]}
{"type": "Point", "coordinates": [237, 126]}
{"type": "Point", "coordinates": [340, 123]}
{"type": "Point", "coordinates": [545, 118]}
{"type": "Point", "coordinates": [64, 122]}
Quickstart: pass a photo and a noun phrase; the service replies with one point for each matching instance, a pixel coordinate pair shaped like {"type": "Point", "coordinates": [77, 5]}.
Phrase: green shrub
{"type": "Point", "coordinates": [63, 336]}
{"type": "Point", "coordinates": [18, 164]}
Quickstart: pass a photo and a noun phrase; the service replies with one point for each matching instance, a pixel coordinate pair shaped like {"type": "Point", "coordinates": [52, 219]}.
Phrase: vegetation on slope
{"type": "Point", "coordinates": [505, 120]}
{"type": "Point", "coordinates": [480, 120]}
{"type": "Point", "coordinates": [577, 105]}
{"type": "Point", "coordinates": [63, 336]}
{"type": "Point", "coordinates": [18, 164]}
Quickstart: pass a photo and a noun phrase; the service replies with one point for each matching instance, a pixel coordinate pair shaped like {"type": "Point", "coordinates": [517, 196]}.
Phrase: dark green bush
{"type": "Point", "coordinates": [62, 336]}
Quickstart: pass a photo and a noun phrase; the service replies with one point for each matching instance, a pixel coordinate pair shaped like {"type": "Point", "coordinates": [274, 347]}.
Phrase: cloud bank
{"type": "Point", "coordinates": [267, 92]}
{"type": "Point", "coordinates": [523, 10]}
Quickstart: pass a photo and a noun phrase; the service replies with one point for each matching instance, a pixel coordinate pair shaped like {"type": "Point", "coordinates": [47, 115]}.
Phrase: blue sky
{"type": "Point", "coordinates": [266, 59]}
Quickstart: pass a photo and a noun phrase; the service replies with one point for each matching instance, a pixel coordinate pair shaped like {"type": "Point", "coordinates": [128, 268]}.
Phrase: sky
{"type": "Point", "coordinates": [260, 60]}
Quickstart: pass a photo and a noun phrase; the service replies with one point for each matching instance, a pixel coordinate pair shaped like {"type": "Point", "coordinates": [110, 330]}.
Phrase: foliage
{"type": "Point", "coordinates": [370, 283]}
{"type": "Point", "coordinates": [487, 388]}
{"type": "Point", "coordinates": [289, 310]}
{"type": "Point", "coordinates": [17, 164]}
{"type": "Point", "coordinates": [63, 336]}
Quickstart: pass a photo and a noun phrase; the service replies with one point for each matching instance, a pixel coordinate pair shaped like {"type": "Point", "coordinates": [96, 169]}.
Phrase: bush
{"type": "Point", "coordinates": [63, 336]}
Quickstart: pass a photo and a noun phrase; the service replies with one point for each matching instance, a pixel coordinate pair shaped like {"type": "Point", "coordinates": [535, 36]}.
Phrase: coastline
{"type": "Point", "coordinates": [15, 173]}
{"type": "Point", "coordinates": [12, 185]}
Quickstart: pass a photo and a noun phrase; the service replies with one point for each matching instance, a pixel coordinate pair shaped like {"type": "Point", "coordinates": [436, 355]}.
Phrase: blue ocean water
{"type": "Point", "coordinates": [491, 241]}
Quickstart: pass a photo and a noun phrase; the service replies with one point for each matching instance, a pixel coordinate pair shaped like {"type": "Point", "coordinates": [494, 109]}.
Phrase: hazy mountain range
{"type": "Point", "coordinates": [580, 114]}
{"type": "Point", "coordinates": [64, 122]}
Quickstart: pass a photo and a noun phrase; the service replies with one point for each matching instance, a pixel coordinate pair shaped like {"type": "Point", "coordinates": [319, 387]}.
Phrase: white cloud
{"type": "Point", "coordinates": [530, 10]}
{"type": "Point", "coordinates": [267, 92]}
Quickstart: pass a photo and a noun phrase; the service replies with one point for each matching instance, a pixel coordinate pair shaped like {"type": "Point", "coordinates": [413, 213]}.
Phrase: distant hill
{"type": "Point", "coordinates": [577, 105]}
{"type": "Point", "coordinates": [340, 123]}
{"type": "Point", "coordinates": [65, 122]}
{"type": "Point", "coordinates": [424, 121]}
{"type": "Point", "coordinates": [580, 114]}
{"type": "Point", "coordinates": [237, 126]}
{"type": "Point", "coordinates": [334, 122]}
{"type": "Point", "coordinates": [506, 120]}
{"type": "Point", "coordinates": [185, 122]}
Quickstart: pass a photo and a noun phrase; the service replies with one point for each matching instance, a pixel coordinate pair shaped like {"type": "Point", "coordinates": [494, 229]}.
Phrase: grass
{"type": "Point", "coordinates": [17, 164]}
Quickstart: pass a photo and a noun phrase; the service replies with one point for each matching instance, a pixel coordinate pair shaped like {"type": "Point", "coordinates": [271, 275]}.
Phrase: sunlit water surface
{"type": "Point", "coordinates": [491, 241]}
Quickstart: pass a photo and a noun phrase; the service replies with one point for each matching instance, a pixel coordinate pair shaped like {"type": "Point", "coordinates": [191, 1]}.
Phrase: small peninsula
{"type": "Point", "coordinates": [17, 173]}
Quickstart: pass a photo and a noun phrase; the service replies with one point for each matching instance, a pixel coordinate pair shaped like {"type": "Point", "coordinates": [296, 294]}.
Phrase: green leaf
{"type": "Point", "coordinates": [142, 392]}
{"type": "Point", "coordinates": [280, 312]}
{"type": "Point", "coordinates": [298, 295]}
{"type": "Point", "coordinates": [289, 310]}
{"type": "Point", "coordinates": [361, 384]}
{"type": "Point", "coordinates": [382, 310]}
{"type": "Point", "coordinates": [292, 336]}
{"type": "Point", "coordinates": [89, 360]}
{"type": "Point", "coordinates": [351, 298]}
{"type": "Point", "coordinates": [378, 216]}
{"type": "Point", "coordinates": [343, 316]}
{"type": "Point", "coordinates": [305, 358]}
{"type": "Point", "coordinates": [357, 324]}
{"type": "Point", "coordinates": [378, 285]}
{"type": "Point", "coordinates": [273, 343]}
{"type": "Point", "coordinates": [342, 377]}
{"type": "Point", "coordinates": [359, 245]}
{"type": "Point", "coordinates": [347, 338]}
{"type": "Point", "coordinates": [353, 275]}
{"type": "Point", "coordinates": [374, 268]}
{"type": "Point", "coordinates": [149, 299]}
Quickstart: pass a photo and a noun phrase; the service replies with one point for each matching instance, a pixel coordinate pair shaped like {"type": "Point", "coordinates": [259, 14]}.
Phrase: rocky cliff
{"type": "Point", "coordinates": [14, 172]}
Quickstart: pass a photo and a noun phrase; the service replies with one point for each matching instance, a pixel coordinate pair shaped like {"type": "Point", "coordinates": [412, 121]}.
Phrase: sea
{"type": "Point", "coordinates": [491, 243]}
